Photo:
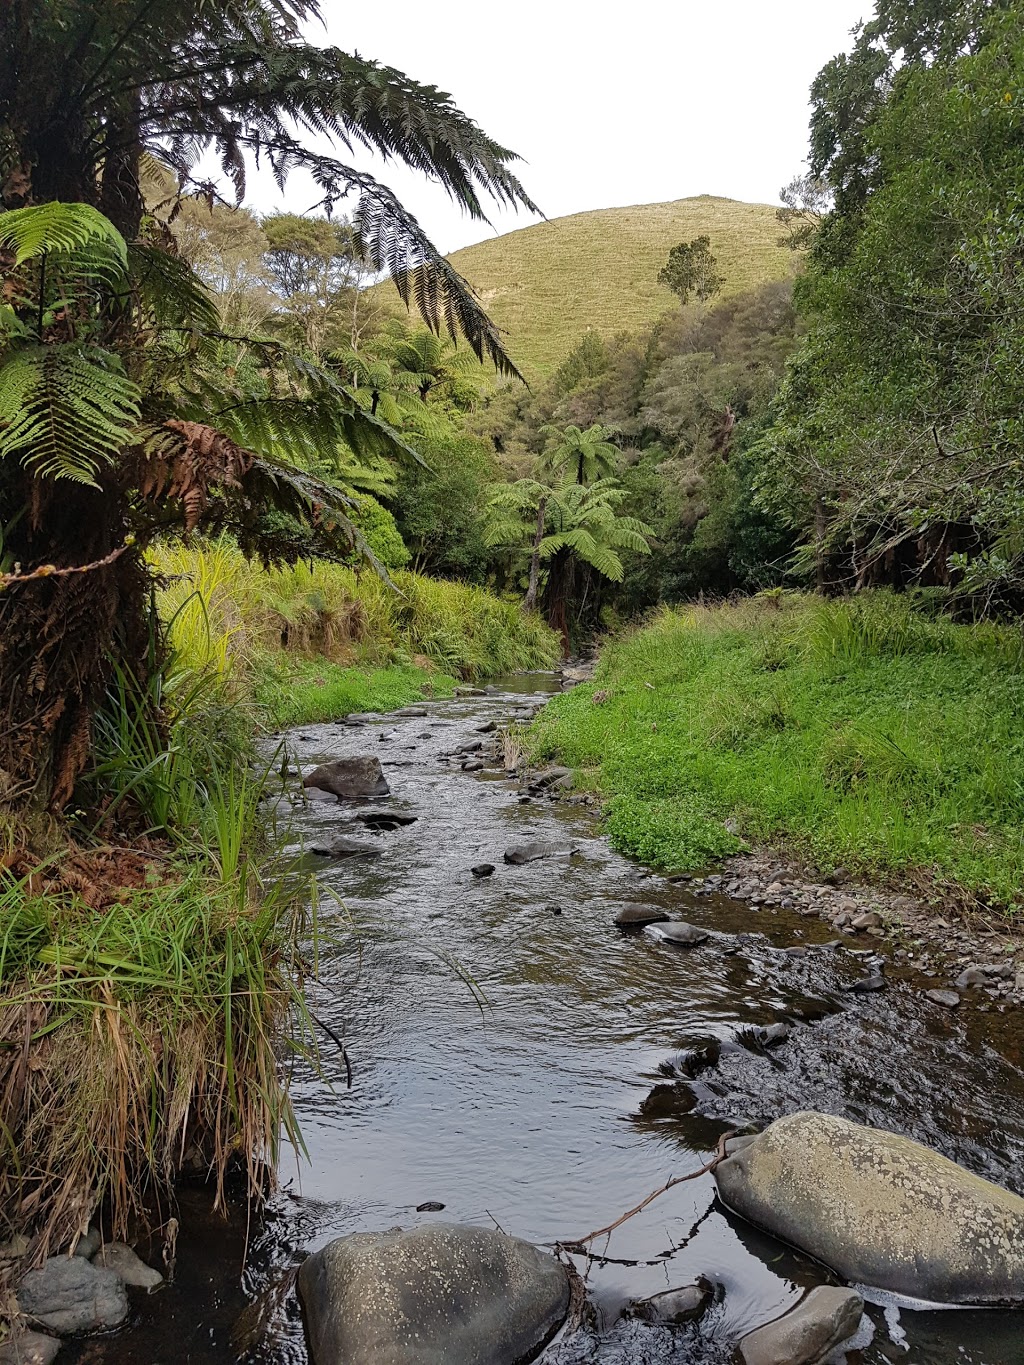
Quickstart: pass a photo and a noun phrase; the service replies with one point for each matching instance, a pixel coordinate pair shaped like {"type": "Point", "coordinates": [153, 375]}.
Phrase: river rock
{"type": "Point", "coordinates": [472, 765]}
{"type": "Point", "coordinates": [344, 847]}
{"type": "Point", "coordinates": [680, 934]}
{"type": "Point", "coordinates": [122, 1260]}
{"type": "Point", "coordinates": [483, 870]}
{"type": "Point", "coordinates": [29, 1348]}
{"type": "Point", "coordinates": [548, 777]}
{"type": "Point", "coordinates": [350, 779]}
{"type": "Point", "coordinates": [675, 1306]}
{"type": "Point", "coordinates": [385, 819]}
{"type": "Point", "coordinates": [411, 711]}
{"type": "Point", "coordinates": [437, 1295]}
{"type": "Point", "coordinates": [821, 1322]}
{"type": "Point", "coordinates": [519, 854]}
{"type": "Point", "coordinates": [947, 999]}
{"type": "Point", "coordinates": [879, 1209]}
{"type": "Point", "coordinates": [67, 1294]}
{"type": "Point", "coordinates": [635, 916]}
{"type": "Point", "coordinates": [469, 692]}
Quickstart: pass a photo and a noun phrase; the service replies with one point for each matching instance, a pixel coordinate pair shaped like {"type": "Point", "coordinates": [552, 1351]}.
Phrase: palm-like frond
{"type": "Point", "coordinates": [43, 229]}
{"type": "Point", "coordinates": [65, 410]}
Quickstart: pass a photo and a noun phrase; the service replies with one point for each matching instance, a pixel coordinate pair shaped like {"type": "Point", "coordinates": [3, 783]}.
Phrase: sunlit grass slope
{"type": "Point", "coordinates": [864, 733]}
{"type": "Point", "coordinates": [547, 284]}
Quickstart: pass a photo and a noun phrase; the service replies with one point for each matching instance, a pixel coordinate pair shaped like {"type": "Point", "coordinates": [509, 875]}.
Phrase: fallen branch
{"type": "Point", "coordinates": [577, 1244]}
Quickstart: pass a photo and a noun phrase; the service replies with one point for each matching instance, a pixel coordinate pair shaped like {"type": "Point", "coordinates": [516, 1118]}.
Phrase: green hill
{"type": "Point", "coordinates": [548, 283]}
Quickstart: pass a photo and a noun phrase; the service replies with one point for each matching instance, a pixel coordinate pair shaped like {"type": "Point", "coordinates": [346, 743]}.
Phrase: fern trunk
{"type": "Point", "coordinates": [558, 595]}
{"type": "Point", "coordinates": [58, 634]}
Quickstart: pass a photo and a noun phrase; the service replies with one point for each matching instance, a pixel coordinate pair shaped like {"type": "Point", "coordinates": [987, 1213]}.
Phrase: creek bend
{"type": "Point", "coordinates": [580, 1084]}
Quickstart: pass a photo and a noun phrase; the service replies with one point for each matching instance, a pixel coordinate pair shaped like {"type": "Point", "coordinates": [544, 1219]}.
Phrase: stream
{"type": "Point", "coordinates": [521, 1061]}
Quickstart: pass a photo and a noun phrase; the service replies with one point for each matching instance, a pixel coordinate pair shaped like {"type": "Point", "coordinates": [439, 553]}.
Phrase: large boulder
{"type": "Point", "coordinates": [879, 1209]}
{"type": "Point", "coordinates": [67, 1294]}
{"type": "Point", "coordinates": [350, 779]}
{"type": "Point", "coordinates": [437, 1295]}
{"type": "Point", "coordinates": [806, 1336]}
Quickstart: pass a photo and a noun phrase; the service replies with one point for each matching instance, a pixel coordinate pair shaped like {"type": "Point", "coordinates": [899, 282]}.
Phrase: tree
{"type": "Point", "coordinates": [805, 201]}
{"type": "Point", "coordinates": [587, 455]}
{"type": "Point", "coordinates": [576, 529]}
{"type": "Point", "coordinates": [690, 271]}
{"type": "Point", "coordinates": [117, 415]}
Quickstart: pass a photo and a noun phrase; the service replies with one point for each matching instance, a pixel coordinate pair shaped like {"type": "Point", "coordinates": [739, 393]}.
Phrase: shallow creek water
{"type": "Point", "coordinates": [569, 1094]}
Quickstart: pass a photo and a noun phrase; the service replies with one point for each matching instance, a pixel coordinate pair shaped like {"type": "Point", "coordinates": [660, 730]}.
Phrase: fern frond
{"type": "Point", "coordinates": [170, 292]}
{"type": "Point", "coordinates": [57, 227]}
{"type": "Point", "coordinates": [65, 410]}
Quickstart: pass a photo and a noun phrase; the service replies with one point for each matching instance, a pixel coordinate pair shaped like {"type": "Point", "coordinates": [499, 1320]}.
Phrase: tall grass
{"type": "Point", "coordinates": [315, 640]}
{"type": "Point", "coordinates": [861, 732]}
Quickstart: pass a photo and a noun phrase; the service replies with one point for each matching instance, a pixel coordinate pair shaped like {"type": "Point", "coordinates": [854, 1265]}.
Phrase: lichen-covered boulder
{"type": "Point", "coordinates": [436, 1295]}
{"type": "Point", "coordinates": [879, 1209]}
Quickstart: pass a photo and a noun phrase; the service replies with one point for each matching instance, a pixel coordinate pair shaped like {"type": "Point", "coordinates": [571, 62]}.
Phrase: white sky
{"type": "Point", "coordinates": [608, 104]}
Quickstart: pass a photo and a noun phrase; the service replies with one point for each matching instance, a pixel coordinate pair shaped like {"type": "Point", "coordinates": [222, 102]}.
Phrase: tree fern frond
{"type": "Point", "coordinates": [65, 410]}
{"type": "Point", "coordinates": [57, 227]}
{"type": "Point", "coordinates": [170, 292]}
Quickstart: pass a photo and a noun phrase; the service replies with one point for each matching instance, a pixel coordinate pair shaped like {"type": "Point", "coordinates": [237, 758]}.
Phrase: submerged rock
{"type": "Point", "coordinates": [483, 870]}
{"type": "Point", "coordinates": [344, 847]}
{"type": "Point", "coordinates": [879, 1209]}
{"type": "Point", "coordinates": [29, 1348]}
{"type": "Point", "coordinates": [385, 819]}
{"type": "Point", "coordinates": [441, 1293]}
{"type": "Point", "coordinates": [810, 1332]}
{"type": "Point", "coordinates": [636, 916]}
{"type": "Point", "coordinates": [350, 779]}
{"type": "Point", "coordinates": [675, 1306]}
{"type": "Point", "coordinates": [680, 934]}
{"type": "Point", "coordinates": [122, 1260]}
{"type": "Point", "coordinates": [67, 1294]}
{"type": "Point", "coordinates": [519, 854]}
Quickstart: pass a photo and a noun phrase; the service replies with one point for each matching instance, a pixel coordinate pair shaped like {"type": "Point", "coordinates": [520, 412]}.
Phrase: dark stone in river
{"type": "Point", "coordinates": [67, 1294]}
{"type": "Point", "coordinates": [344, 847]}
{"type": "Point", "coordinates": [675, 1306]}
{"type": "Point", "coordinates": [680, 934]}
{"type": "Point", "coordinates": [482, 870]}
{"type": "Point", "coordinates": [879, 1209]}
{"type": "Point", "coordinates": [437, 1295]}
{"type": "Point", "coordinates": [519, 854]}
{"type": "Point", "coordinates": [472, 765]}
{"type": "Point", "coordinates": [350, 779]}
{"type": "Point", "coordinates": [636, 916]}
{"type": "Point", "coordinates": [947, 999]}
{"type": "Point", "coordinates": [411, 711]}
{"type": "Point", "coordinates": [431, 1206]}
{"type": "Point", "coordinates": [808, 1333]}
{"type": "Point", "coordinates": [385, 819]}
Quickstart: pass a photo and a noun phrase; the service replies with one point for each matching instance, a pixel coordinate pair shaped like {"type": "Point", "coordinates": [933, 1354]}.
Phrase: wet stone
{"type": "Point", "coordinates": [947, 999]}
{"type": "Point", "coordinates": [68, 1294]}
{"type": "Point", "coordinates": [483, 870]}
{"type": "Point", "coordinates": [675, 1306]}
{"type": "Point", "coordinates": [385, 819]}
{"type": "Point", "coordinates": [520, 854]}
{"type": "Point", "coordinates": [122, 1260]}
{"type": "Point", "coordinates": [635, 916]}
{"type": "Point", "coordinates": [810, 1332]}
{"type": "Point", "coordinates": [679, 934]}
{"type": "Point", "coordinates": [350, 779]}
{"type": "Point", "coordinates": [345, 847]}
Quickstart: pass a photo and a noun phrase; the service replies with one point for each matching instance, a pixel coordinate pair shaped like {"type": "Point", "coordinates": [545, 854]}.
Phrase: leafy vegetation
{"type": "Point", "coordinates": [865, 733]}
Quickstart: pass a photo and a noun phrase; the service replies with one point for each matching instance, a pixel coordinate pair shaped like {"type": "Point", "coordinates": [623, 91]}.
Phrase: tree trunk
{"type": "Point", "coordinates": [531, 591]}
{"type": "Point", "coordinates": [558, 594]}
{"type": "Point", "coordinates": [59, 634]}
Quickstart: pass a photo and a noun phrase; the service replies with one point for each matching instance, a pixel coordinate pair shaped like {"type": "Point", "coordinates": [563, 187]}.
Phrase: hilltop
{"type": "Point", "coordinates": [548, 283]}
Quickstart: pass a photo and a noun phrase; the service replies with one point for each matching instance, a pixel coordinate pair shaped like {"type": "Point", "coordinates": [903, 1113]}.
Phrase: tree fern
{"type": "Point", "coordinates": [65, 410]}
{"type": "Point", "coordinates": [56, 227]}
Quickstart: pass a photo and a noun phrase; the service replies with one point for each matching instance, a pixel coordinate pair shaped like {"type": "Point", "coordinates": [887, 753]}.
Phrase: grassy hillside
{"type": "Point", "coordinates": [547, 284]}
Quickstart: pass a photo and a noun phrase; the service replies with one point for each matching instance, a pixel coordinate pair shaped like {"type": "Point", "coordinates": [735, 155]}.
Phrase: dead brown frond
{"type": "Point", "coordinates": [182, 461]}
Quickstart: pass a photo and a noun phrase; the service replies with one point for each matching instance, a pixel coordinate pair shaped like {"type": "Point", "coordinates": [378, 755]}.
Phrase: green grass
{"type": "Point", "coordinates": [315, 642]}
{"type": "Point", "coordinates": [298, 691]}
{"type": "Point", "coordinates": [546, 285]}
{"type": "Point", "coordinates": [862, 733]}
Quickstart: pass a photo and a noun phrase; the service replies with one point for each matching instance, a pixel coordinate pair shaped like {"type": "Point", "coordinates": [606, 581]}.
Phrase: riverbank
{"type": "Point", "coordinates": [150, 974]}
{"type": "Point", "coordinates": [861, 741]}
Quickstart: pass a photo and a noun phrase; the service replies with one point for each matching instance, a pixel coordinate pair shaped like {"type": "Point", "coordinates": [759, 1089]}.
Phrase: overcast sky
{"type": "Point", "coordinates": [608, 104]}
